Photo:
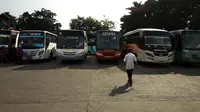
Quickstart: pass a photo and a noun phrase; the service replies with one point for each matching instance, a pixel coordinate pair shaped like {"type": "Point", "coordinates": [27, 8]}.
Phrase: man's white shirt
{"type": "Point", "coordinates": [129, 60]}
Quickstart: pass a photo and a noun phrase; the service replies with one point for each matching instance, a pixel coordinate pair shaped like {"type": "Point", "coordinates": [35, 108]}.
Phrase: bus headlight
{"type": "Point", "coordinates": [41, 52]}
{"type": "Point", "coordinates": [118, 54]}
{"type": "Point", "coordinates": [149, 54]}
{"type": "Point", "coordinates": [187, 55]}
{"type": "Point", "coordinates": [99, 54]}
{"type": "Point", "coordinates": [171, 55]}
{"type": "Point", "coordinates": [58, 53]}
{"type": "Point", "coordinates": [80, 53]}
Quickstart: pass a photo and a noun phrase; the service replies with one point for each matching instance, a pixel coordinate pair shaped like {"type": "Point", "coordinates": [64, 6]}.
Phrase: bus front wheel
{"type": "Point", "coordinates": [50, 56]}
{"type": "Point", "coordinates": [89, 53]}
{"type": "Point", "coordinates": [186, 64]}
{"type": "Point", "coordinates": [99, 61]}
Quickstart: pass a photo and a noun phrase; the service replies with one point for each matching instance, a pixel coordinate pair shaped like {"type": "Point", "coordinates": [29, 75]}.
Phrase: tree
{"type": "Point", "coordinates": [138, 17]}
{"type": "Point", "coordinates": [7, 21]}
{"type": "Point", "coordinates": [162, 14]}
{"type": "Point", "coordinates": [39, 20]}
{"type": "Point", "coordinates": [91, 25]}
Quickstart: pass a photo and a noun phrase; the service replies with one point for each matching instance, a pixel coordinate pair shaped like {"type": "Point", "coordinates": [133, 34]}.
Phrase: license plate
{"type": "Point", "coordinates": [68, 49]}
{"type": "Point", "coordinates": [161, 61]}
{"type": "Point", "coordinates": [108, 56]}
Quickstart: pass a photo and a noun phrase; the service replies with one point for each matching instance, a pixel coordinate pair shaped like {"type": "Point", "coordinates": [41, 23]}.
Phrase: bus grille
{"type": "Point", "coordinates": [30, 53]}
{"type": "Point", "coordinates": [69, 53]}
{"type": "Point", "coordinates": [194, 56]}
{"type": "Point", "coordinates": [108, 54]}
{"type": "Point", "coordinates": [160, 54]}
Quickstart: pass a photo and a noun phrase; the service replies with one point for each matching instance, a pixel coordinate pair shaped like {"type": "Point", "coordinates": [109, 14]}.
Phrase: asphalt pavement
{"type": "Point", "coordinates": [87, 86]}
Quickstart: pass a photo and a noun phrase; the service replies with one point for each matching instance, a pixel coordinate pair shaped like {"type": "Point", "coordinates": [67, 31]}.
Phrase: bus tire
{"type": "Point", "coordinates": [98, 61]}
{"type": "Point", "coordinates": [89, 53]}
{"type": "Point", "coordinates": [54, 56]}
{"type": "Point", "coordinates": [117, 62]}
{"type": "Point", "coordinates": [186, 64]}
{"type": "Point", "coordinates": [85, 57]}
{"type": "Point", "coordinates": [168, 65]}
{"type": "Point", "coordinates": [50, 56]}
{"type": "Point", "coordinates": [63, 61]}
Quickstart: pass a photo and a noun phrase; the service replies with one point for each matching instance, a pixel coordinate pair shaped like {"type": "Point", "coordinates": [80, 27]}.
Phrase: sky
{"type": "Point", "coordinates": [68, 9]}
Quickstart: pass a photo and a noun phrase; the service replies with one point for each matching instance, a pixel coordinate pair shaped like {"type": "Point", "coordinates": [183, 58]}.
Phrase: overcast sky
{"type": "Point", "coordinates": [68, 9]}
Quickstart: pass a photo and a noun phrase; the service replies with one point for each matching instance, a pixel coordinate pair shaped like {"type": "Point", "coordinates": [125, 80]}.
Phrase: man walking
{"type": "Point", "coordinates": [129, 59]}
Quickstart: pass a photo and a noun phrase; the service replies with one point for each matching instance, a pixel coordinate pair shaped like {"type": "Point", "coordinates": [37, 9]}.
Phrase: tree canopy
{"type": "Point", "coordinates": [163, 14]}
{"type": "Point", "coordinates": [39, 20]}
{"type": "Point", "coordinates": [91, 25]}
{"type": "Point", "coordinates": [7, 21]}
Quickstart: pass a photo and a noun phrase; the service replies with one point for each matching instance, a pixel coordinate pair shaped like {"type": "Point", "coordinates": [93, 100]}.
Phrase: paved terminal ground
{"type": "Point", "coordinates": [92, 87]}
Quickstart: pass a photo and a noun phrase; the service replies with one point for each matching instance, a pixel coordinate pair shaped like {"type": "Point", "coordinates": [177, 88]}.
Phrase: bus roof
{"type": "Point", "coordinates": [2, 31]}
{"type": "Point", "coordinates": [6, 30]}
{"type": "Point", "coordinates": [39, 31]}
{"type": "Point", "coordinates": [72, 30]}
{"type": "Point", "coordinates": [180, 30]}
{"type": "Point", "coordinates": [107, 31]}
{"type": "Point", "coordinates": [144, 29]}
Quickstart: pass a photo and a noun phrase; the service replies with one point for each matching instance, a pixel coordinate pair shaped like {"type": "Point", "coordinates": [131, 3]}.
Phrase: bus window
{"type": "Point", "coordinates": [47, 42]}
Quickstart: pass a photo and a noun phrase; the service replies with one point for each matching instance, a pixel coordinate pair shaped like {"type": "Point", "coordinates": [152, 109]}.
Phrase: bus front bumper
{"type": "Point", "coordinates": [33, 57]}
{"type": "Point", "coordinates": [108, 57]}
{"type": "Point", "coordinates": [159, 60]}
{"type": "Point", "coordinates": [82, 57]}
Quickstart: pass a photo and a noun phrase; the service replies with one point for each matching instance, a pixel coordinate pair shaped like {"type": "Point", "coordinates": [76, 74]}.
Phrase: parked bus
{"type": "Point", "coordinates": [9, 40]}
{"type": "Point", "coordinates": [108, 45]}
{"type": "Point", "coordinates": [150, 45]}
{"type": "Point", "coordinates": [187, 46]}
{"type": "Point", "coordinates": [72, 45]}
{"type": "Point", "coordinates": [37, 44]}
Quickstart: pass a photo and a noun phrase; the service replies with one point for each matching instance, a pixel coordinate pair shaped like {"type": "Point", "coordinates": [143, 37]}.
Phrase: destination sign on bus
{"type": "Point", "coordinates": [5, 32]}
{"type": "Point", "coordinates": [191, 32]}
{"type": "Point", "coordinates": [32, 34]}
{"type": "Point", "coordinates": [70, 37]}
{"type": "Point", "coordinates": [4, 35]}
{"type": "Point", "coordinates": [108, 34]}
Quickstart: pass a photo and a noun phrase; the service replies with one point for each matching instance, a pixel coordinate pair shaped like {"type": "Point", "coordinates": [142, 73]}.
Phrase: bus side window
{"type": "Point", "coordinates": [172, 38]}
{"type": "Point", "coordinates": [136, 37]}
{"type": "Point", "coordinates": [178, 41]}
{"type": "Point", "coordinates": [55, 39]}
{"type": "Point", "coordinates": [47, 40]}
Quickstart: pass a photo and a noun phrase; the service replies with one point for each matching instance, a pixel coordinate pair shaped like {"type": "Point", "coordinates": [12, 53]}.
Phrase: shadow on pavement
{"type": "Point", "coordinates": [11, 64]}
{"type": "Point", "coordinates": [120, 90]}
{"type": "Point", "coordinates": [4, 65]}
{"type": "Point", "coordinates": [89, 63]}
{"type": "Point", "coordinates": [156, 69]}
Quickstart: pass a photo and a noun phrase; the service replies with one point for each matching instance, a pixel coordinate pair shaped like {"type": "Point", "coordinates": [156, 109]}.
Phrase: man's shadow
{"type": "Point", "coordinates": [120, 90]}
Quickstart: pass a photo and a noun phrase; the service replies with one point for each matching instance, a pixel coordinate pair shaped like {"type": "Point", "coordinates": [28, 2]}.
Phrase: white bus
{"type": "Point", "coordinates": [72, 45]}
{"type": "Point", "coordinates": [151, 45]}
{"type": "Point", "coordinates": [37, 44]}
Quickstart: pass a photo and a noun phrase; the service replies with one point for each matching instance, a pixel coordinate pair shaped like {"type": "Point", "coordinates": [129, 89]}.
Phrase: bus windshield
{"type": "Point", "coordinates": [31, 40]}
{"type": "Point", "coordinates": [71, 39]}
{"type": "Point", "coordinates": [76, 42]}
{"type": "Point", "coordinates": [4, 39]}
{"type": "Point", "coordinates": [191, 40]}
{"type": "Point", "coordinates": [157, 40]}
{"type": "Point", "coordinates": [108, 41]}
{"type": "Point", "coordinates": [157, 37]}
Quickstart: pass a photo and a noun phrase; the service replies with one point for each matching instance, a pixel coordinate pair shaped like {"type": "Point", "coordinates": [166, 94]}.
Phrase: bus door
{"type": "Point", "coordinates": [13, 47]}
